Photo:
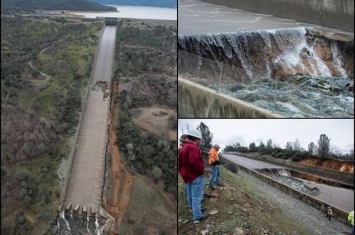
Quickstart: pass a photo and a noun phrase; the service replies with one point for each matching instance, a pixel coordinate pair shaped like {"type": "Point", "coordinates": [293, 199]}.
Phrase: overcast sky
{"type": "Point", "coordinates": [245, 131]}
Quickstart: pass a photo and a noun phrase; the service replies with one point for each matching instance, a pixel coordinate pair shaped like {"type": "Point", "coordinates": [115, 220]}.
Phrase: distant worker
{"type": "Point", "coordinates": [191, 169]}
{"type": "Point", "coordinates": [213, 161]}
{"type": "Point", "coordinates": [351, 220]}
{"type": "Point", "coordinates": [329, 213]}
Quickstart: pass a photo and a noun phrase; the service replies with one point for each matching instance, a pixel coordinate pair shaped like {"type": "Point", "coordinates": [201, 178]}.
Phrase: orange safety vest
{"type": "Point", "coordinates": [213, 156]}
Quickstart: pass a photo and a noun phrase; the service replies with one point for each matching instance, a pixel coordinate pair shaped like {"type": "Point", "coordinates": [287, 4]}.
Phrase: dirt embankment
{"type": "Point", "coordinates": [346, 166]}
{"type": "Point", "coordinates": [156, 120]}
{"type": "Point", "coordinates": [120, 181]}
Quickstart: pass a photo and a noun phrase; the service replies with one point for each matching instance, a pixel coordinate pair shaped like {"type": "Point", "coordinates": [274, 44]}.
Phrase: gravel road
{"type": "Point", "coordinates": [312, 219]}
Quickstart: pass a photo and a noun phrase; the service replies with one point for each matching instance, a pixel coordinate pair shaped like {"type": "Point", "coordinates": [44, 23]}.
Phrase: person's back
{"type": "Point", "coordinates": [183, 140]}
{"type": "Point", "coordinates": [213, 156]}
{"type": "Point", "coordinates": [191, 163]}
{"type": "Point", "coordinates": [213, 161]}
{"type": "Point", "coordinates": [191, 169]}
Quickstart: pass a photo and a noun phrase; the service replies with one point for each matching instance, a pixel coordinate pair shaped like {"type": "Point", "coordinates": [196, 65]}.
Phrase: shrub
{"type": "Point", "coordinates": [232, 167]}
{"type": "Point", "coordinates": [157, 173]}
{"type": "Point", "coordinates": [23, 174]}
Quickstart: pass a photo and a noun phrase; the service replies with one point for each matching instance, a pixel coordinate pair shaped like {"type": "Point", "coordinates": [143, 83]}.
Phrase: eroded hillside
{"type": "Point", "coordinates": [143, 130]}
{"type": "Point", "coordinates": [333, 164]}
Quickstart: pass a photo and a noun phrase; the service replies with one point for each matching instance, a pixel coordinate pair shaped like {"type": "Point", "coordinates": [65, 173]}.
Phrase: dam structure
{"type": "Point", "coordinates": [267, 66]}
{"type": "Point", "coordinates": [84, 189]}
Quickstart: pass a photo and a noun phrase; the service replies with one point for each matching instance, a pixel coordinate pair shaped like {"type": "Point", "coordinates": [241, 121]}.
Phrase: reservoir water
{"type": "Point", "coordinates": [135, 12]}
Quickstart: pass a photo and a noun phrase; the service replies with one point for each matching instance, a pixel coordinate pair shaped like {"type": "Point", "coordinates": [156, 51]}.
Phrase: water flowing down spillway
{"type": "Point", "coordinates": [69, 224]}
{"type": "Point", "coordinates": [296, 72]}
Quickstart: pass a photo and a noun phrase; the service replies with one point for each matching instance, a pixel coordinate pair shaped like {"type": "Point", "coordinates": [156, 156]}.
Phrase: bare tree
{"type": "Point", "coordinates": [289, 145]}
{"type": "Point", "coordinates": [269, 144]}
{"type": "Point", "coordinates": [261, 144]}
{"type": "Point", "coordinates": [207, 136]}
{"type": "Point", "coordinates": [323, 146]}
{"type": "Point", "coordinates": [297, 145]}
{"type": "Point", "coordinates": [312, 149]}
{"type": "Point", "coordinates": [276, 146]}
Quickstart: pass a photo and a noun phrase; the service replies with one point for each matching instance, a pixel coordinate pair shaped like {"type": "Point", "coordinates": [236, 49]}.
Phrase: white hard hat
{"type": "Point", "coordinates": [216, 146]}
{"type": "Point", "coordinates": [194, 133]}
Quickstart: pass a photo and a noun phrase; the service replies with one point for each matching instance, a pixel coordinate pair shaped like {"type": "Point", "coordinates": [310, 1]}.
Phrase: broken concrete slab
{"type": "Point", "coordinates": [76, 208]}
{"type": "Point", "coordinates": [84, 210]}
{"type": "Point", "coordinates": [67, 208]}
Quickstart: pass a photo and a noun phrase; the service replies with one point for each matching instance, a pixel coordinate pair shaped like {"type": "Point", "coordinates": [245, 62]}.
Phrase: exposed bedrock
{"type": "Point", "coordinates": [276, 54]}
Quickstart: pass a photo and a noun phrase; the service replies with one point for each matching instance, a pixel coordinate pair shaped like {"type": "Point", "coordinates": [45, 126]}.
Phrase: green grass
{"type": "Point", "coordinates": [83, 58]}
{"type": "Point", "coordinates": [239, 205]}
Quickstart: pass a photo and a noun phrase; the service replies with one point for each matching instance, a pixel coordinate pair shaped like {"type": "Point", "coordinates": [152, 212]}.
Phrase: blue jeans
{"type": "Point", "coordinates": [188, 200]}
{"type": "Point", "coordinates": [215, 176]}
{"type": "Point", "coordinates": [352, 230]}
{"type": "Point", "coordinates": [194, 196]}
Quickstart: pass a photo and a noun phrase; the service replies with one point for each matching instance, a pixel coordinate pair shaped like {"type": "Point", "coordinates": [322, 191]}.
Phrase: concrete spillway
{"type": "Point", "coordinates": [198, 17]}
{"type": "Point", "coordinates": [268, 62]}
{"type": "Point", "coordinates": [84, 189]}
{"type": "Point", "coordinates": [339, 197]}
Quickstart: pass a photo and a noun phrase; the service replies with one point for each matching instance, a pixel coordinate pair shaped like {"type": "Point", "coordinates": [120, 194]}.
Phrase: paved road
{"type": "Point", "coordinates": [251, 163]}
{"type": "Point", "coordinates": [197, 17]}
{"type": "Point", "coordinates": [339, 197]}
{"type": "Point", "coordinates": [85, 183]}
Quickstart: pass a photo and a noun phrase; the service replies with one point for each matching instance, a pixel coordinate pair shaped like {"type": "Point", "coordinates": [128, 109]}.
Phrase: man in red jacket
{"type": "Point", "coordinates": [191, 169]}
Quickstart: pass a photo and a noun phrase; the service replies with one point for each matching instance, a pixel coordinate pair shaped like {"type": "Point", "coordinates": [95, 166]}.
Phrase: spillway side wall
{"type": "Point", "coordinates": [338, 213]}
{"type": "Point", "coordinates": [337, 14]}
{"type": "Point", "coordinates": [196, 101]}
{"type": "Point", "coordinates": [339, 176]}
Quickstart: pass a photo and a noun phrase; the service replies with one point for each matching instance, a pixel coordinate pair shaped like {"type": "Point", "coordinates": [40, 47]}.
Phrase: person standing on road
{"type": "Point", "coordinates": [191, 169]}
{"type": "Point", "coordinates": [329, 213]}
{"type": "Point", "coordinates": [351, 220]}
{"type": "Point", "coordinates": [213, 161]}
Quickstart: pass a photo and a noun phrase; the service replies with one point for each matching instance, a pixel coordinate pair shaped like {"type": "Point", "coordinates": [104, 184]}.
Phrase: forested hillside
{"type": "Point", "coordinates": [145, 103]}
{"type": "Point", "coordinates": [156, 3]}
{"type": "Point", "coordinates": [45, 66]}
{"type": "Point", "coordinates": [84, 5]}
{"type": "Point", "coordinates": [146, 59]}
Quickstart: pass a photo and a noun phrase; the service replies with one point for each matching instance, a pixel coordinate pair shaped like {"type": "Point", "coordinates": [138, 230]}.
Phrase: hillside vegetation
{"type": "Point", "coordinates": [240, 206]}
{"type": "Point", "coordinates": [144, 63]}
{"type": "Point", "coordinates": [45, 66]}
{"type": "Point", "coordinates": [82, 5]}
{"type": "Point", "coordinates": [145, 69]}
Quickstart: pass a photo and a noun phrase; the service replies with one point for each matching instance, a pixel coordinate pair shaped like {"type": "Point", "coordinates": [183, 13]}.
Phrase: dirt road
{"type": "Point", "coordinates": [122, 181]}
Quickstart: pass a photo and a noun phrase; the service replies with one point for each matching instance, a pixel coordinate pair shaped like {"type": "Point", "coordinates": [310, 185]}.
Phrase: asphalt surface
{"type": "Point", "coordinates": [251, 163]}
{"type": "Point", "coordinates": [197, 17]}
{"type": "Point", "coordinates": [87, 174]}
{"type": "Point", "coordinates": [339, 197]}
